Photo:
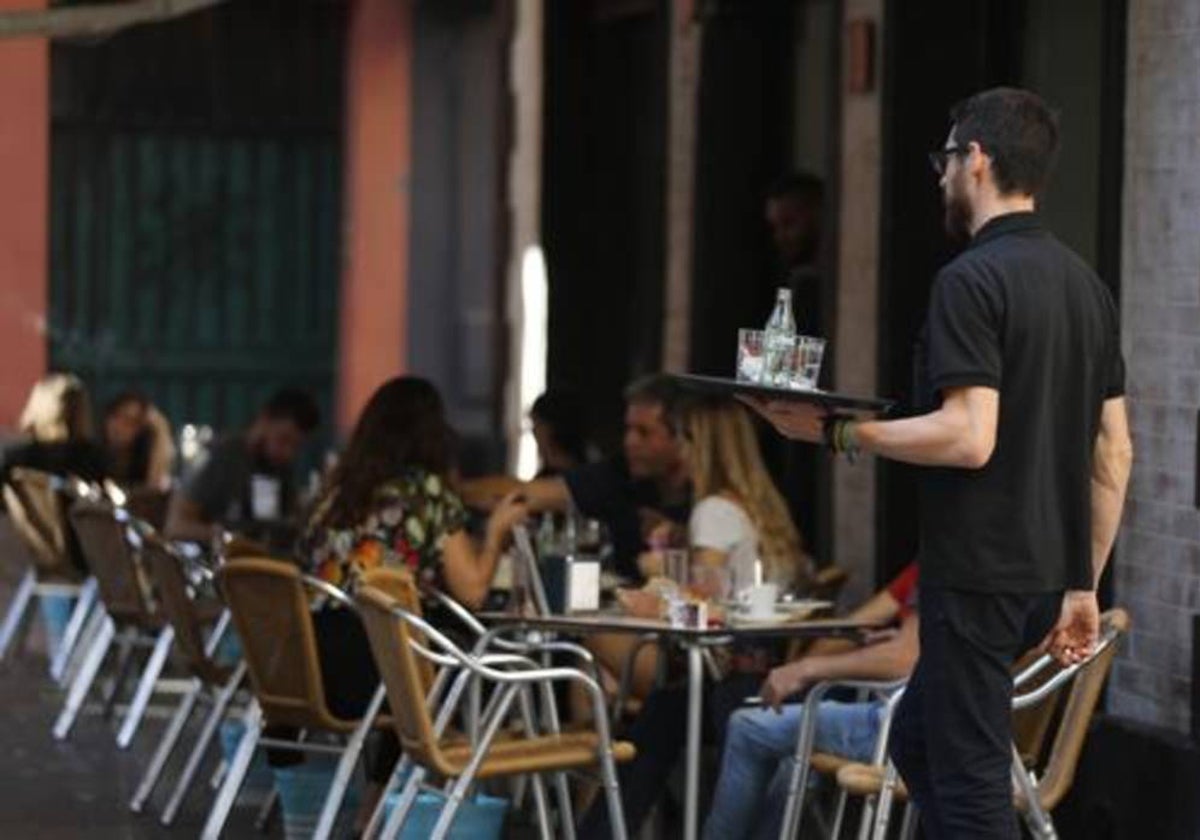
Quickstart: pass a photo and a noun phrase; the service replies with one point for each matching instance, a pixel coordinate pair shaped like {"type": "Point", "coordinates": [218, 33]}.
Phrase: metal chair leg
{"type": "Point", "coordinates": [566, 816]}
{"type": "Point", "coordinates": [908, 826]}
{"type": "Point", "coordinates": [165, 747]}
{"type": "Point", "coordinates": [238, 767]}
{"type": "Point", "coordinates": [84, 679]}
{"type": "Point", "coordinates": [408, 795]}
{"type": "Point", "coordinates": [207, 732]}
{"type": "Point", "coordinates": [74, 630]}
{"type": "Point", "coordinates": [16, 612]}
{"type": "Point", "coordinates": [91, 629]}
{"type": "Point", "coordinates": [839, 814]}
{"type": "Point", "coordinates": [266, 813]}
{"type": "Point", "coordinates": [345, 767]}
{"type": "Point", "coordinates": [145, 688]}
{"type": "Point", "coordinates": [125, 642]}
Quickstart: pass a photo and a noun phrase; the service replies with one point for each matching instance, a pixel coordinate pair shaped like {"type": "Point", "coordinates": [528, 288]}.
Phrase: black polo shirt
{"type": "Point", "coordinates": [1019, 312]}
{"type": "Point", "coordinates": [606, 491]}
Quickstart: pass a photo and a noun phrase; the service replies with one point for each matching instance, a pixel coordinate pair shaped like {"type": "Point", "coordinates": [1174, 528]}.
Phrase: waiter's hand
{"type": "Point", "coordinates": [1075, 635]}
{"type": "Point", "coordinates": [795, 420]}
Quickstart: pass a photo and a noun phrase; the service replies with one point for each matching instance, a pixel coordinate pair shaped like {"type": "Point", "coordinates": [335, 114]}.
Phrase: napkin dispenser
{"type": "Point", "coordinates": [572, 583]}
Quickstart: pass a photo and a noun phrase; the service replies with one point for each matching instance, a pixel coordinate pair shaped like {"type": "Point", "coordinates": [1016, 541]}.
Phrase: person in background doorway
{"type": "Point", "coordinates": [246, 482]}
{"type": "Point", "coordinates": [793, 211]}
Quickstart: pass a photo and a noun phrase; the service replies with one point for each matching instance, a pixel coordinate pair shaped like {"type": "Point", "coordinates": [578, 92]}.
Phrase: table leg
{"type": "Point", "coordinates": [695, 704]}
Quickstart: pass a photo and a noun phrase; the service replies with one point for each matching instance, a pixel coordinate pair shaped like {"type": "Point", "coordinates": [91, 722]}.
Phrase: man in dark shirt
{"type": "Point", "coordinates": [1026, 443]}
{"type": "Point", "coordinates": [630, 493]}
{"type": "Point", "coordinates": [246, 481]}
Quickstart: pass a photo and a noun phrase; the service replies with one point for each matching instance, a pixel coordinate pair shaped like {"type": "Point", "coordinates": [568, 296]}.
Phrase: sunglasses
{"type": "Point", "coordinates": [940, 159]}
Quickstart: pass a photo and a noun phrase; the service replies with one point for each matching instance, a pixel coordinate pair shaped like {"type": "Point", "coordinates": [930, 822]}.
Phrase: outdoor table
{"type": "Point", "coordinates": [693, 641]}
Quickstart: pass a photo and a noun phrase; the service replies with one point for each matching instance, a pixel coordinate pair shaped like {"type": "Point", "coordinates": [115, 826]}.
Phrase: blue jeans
{"type": "Point", "coordinates": [757, 765]}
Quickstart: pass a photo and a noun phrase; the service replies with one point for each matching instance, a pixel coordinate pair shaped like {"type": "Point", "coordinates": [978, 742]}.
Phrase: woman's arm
{"type": "Point", "coordinates": [468, 570]}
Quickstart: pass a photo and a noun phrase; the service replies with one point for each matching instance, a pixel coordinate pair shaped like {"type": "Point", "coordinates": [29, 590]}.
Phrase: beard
{"type": "Point", "coordinates": [957, 216]}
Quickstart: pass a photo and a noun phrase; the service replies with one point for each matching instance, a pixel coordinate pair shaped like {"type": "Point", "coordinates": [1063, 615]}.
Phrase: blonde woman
{"type": "Point", "coordinates": [738, 520]}
{"type": "Point", "coordinates": [739, 517]}
{"type": "Point", "coordinates": [56, 428]}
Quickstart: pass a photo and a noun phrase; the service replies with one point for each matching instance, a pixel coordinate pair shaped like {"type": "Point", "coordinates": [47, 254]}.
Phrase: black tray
{"type": "Point", "coordinates": [829, 399]}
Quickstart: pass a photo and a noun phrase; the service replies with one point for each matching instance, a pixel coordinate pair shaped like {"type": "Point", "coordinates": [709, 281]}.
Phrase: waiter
{"type": "Point", "coordinates": [1027, 453]}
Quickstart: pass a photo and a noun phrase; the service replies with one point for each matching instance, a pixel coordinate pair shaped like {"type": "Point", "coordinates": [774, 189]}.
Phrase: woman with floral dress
{"type": "Point", "coordinates": [389, 503]}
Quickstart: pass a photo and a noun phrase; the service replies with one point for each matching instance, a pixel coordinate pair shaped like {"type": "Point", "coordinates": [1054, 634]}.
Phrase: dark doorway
{"type": "Point", "coordinates": [768, 106]}
{"type": "Point", "coordinates": [938, 52]}
{"type": "Point", "coordinates": [603, 182]}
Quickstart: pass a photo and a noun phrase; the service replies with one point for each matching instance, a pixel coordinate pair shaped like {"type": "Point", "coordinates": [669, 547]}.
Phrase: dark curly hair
{"type": "Point", "coordinates": [402, 426]}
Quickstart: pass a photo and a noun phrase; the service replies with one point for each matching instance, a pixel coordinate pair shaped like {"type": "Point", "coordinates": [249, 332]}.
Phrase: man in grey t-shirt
{"type": "Point", "coordinates": [246, 480]}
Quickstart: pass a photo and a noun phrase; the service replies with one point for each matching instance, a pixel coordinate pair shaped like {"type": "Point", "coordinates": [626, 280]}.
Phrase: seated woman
{"type": "Point", "coordinates": [137, 442]}
{"type": "Point", "coordinates": [389, 502]}
{"type": "Point", "coordinates": [56, 429]}
{"type": "Point", "coordinates": [739, 520]}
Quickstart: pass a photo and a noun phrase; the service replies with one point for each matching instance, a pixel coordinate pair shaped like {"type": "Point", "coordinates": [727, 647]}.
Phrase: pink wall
{"type": "Point", "coordinates": [378, 164]}
{"type": "Point", "coordinates": [24, 213]}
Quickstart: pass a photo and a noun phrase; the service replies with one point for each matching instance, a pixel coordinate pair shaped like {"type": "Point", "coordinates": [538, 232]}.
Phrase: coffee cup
{"type": "Point", "coordinates": [758, 601]}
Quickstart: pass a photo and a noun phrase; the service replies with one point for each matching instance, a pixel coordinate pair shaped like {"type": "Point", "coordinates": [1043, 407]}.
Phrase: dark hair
{"type": "Point", "coordinates": [402, 426]}
{"type": "Point", "coordinates": [1017, 130]}
{"type": "Point", "coordinates": [295, 405]}
{"type": "Point", "coordinates": [803, 187]}
{"type": "Point", "coordinates": [657, 389]}
{"type": "Point", "coordinates": [563, 411]}
{"type": "Point", "coordinates": [136, 468]}
{"type": "Point", "coordinates": [124, 398]}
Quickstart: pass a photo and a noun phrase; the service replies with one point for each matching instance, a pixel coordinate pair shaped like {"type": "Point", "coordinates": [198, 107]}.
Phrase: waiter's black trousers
{"type": "Point", "coordinates": [952, 736]}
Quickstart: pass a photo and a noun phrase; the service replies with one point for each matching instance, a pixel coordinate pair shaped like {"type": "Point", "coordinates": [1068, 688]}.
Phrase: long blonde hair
{"type": "Point", "coordinates": [58, 410]}
{"type": "Point", "coordinates": [725, 459]}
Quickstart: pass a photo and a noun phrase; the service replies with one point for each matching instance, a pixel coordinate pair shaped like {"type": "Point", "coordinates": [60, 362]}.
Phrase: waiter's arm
{"type": "Point", "coordinates": [1111, 465]}
{"type": "Point", "coordinates": [960, 433]}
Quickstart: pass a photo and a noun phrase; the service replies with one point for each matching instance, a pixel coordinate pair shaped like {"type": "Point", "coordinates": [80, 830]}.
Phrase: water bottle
{"type": "Point", "coordinates": [779, 335]}
{"type": "Point", "coordinates": [547, 538]}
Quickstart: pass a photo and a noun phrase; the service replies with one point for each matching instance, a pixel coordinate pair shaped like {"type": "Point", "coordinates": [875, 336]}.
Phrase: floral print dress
{"type": "Point", "coordinates": [412, 516]}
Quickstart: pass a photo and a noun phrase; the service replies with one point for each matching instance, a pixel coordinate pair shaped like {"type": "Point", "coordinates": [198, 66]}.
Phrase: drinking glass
{"type": "Point", "coordinates": [807, 353]}
{"type": "Point", "coordinates": [751, 355]}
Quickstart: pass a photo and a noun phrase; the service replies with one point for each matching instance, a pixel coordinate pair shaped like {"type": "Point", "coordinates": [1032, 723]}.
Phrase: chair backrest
{"type": "Point", "coordinates": [148, 504]}
{"type": "Point", "coordinates": [269, 605]}
{"type": "Point", "coordinates": [391, 640]}
{"type": "Point", "coordinates": [399, 585]}
{"type": "Point", "coordinates": [1032, 724]}
{"type": "Point", "coordinates": [38, 514]}
{"type": "Point", "coordinates": [179, 608]}
{"type": "Point", "coordinates": [1078, 708]}
{"type": "Point", "coordinates": [106, 548]}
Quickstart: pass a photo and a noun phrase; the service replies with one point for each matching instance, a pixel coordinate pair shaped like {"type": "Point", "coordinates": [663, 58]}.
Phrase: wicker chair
{"type": "Point", "coordinates": [108, 540]}
{"type": "Point", "coordinates": [196, 640]}
{"type": "Point", "coordinates": [1036, 795]}
{"type": "Point", "coordinates": [269, 603]}
{"type": "Point", "coordinates": [37, 507]}
{"type": "Point", "coordinates": [393, 633]}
